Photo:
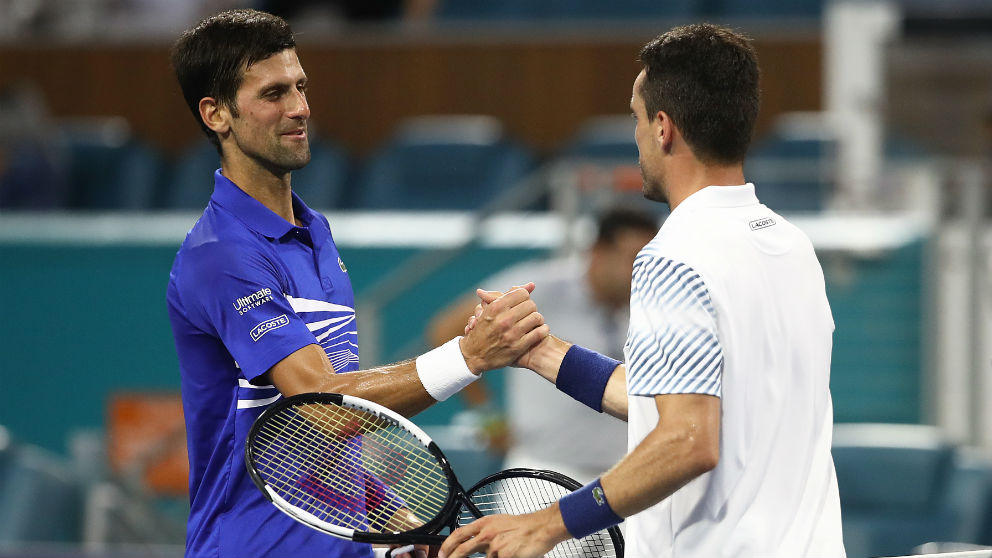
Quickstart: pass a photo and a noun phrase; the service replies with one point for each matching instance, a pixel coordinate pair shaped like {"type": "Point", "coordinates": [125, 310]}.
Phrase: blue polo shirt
{"type": "Point", "coordinates": [246, 290]}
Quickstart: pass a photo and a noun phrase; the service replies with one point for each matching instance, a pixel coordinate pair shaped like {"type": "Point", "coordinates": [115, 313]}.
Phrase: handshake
{"type": "Point", "coordinates": [505, 330]}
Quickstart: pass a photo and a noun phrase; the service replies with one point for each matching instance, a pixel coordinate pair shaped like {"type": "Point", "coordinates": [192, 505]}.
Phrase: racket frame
{"type": "Point", "coordinates": [551, 476]}
{"type": "Point", "coordinates": [424, 534]}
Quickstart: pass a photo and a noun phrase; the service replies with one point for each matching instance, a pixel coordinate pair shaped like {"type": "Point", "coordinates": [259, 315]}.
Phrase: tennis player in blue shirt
{"type": "Point", "coordinates": [260, 301]}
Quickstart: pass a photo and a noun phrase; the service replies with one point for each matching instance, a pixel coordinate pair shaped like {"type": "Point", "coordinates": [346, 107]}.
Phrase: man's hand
{"type": "Point", "coordinates": [526, 359]}
{"type": "Point", "coordinates": [506, 328]}
{"type": "Point", "coordinates": [508, 536]}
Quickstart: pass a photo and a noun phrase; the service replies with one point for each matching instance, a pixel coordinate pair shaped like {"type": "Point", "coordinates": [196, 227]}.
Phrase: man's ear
{"type": "Point", "coordinates": [664, 130]}
{"type": "Point", "coordinates": [215, 116]}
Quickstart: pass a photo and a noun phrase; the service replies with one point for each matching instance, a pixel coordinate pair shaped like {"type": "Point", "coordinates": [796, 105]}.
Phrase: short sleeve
{"type": "Point", "coordinates": [673, 343]}
{"type": "Point", "coordinates": [234, 292]}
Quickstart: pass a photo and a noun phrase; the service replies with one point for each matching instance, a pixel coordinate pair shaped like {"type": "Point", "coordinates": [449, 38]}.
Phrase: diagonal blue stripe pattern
{"type": "Point", "coordinates": [673, 345]}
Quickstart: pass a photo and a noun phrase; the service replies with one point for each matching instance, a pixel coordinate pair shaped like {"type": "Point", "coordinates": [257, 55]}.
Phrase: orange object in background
{"type": "Point", "coordinates": [146, 438]}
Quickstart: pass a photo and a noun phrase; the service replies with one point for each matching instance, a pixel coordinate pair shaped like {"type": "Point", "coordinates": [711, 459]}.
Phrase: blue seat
{"type": "Point", "coordinates": [905, 485]}
{"type": "Point", "coordinates": [321, 183]}
{"type": "Point", "coordinates": [40, 499]}
{"type": "Point", "coordinates": [442, 163]}
{"type": "Point", "coordinates": [108, 168]}
{"type": "Point", "coordinates": [767, 8]}
{"type": "Point", "coordinates": [623, 9]}
{"type": "Point", "coordinates": [544, 10]}
{"type": "Point", "coordinates": [792, 168]}
{"type": "Point", "coordinates": [605, 138]}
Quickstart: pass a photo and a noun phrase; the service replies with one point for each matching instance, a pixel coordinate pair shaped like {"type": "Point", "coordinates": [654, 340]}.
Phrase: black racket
{"type": "Point", "coordinates": [353, 469]}
{"type": "Point", "coordinates": [518, 491]}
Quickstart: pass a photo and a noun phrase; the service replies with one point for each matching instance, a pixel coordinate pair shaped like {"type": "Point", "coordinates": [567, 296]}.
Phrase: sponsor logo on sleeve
{"type": "Point", "coordinates": [254, 300]}
{"type": "Point", "coordinates": [268, 325]}
{"type": "Point", "coordinates": [761, 223]}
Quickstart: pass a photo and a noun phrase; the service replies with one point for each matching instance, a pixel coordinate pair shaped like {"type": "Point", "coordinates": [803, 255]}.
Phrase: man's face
{"type": "Point", "coordinates": [648, 148]}
{"type": "Point", "coordinates": [271, 126]}
{"type": "Point", "coordinates": [612, 263]}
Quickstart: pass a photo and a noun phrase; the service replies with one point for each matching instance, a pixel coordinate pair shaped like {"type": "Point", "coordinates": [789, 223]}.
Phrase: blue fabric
{"type": "Point", "coordinates": [247, 289]}
{"type": "Point", "coordinates": [587, 511]}
{"type": "Point", "coordinates": [583, 375]}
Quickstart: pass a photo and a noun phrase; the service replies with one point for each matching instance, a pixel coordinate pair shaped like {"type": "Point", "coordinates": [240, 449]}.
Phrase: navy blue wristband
{"type": "Point", "coordinates": [586, 511]}
{"type": "Point", "coordinates": [583, 375]}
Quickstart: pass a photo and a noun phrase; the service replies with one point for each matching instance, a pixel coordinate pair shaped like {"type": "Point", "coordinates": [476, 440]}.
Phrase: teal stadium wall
{"type": "Point", "coordinates": [83, 321]}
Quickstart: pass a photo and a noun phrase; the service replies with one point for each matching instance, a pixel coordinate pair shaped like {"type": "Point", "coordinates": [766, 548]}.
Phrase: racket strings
{"type": "Point", "coordinates": [350, 467]}
{"type": "Point", "coordinates": [519, 495]}
{"type": "Point", "coordinates": [347, 465]}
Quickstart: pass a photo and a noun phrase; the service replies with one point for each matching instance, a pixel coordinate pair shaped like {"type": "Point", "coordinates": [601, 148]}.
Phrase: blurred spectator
{"type": "Point", "coordinates": [32, 172]}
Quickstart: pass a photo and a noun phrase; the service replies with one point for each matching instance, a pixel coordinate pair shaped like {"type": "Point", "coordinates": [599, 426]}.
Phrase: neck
{"type": "Point", "coordinates": [270, 189]}
{"type": "Point", "coordinates": [693, 176]}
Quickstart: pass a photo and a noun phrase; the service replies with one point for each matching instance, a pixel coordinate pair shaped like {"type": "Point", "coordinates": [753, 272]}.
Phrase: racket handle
{"type": "Point", "coordinates": [390, 552]}
{"type": "Point", "coordinates": [380, 552]}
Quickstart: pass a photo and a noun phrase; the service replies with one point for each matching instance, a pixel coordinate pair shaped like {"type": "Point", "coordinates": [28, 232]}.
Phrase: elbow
{"type": "Point", "coordinates": [704, 455]}
{"type": "Point", "coordinates": [706, 459]}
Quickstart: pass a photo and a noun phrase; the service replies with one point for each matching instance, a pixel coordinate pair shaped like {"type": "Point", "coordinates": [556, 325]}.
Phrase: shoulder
{"type": "Point", "coordinates": [211, 252]}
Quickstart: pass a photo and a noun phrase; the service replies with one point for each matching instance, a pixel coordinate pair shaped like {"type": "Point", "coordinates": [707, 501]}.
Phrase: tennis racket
{"type": "Point", "coordinates": [353, 469]}
{"type": "Point", "coordinates": [357, 470]}
{"type": "Point", "coordinates": [519, 491]}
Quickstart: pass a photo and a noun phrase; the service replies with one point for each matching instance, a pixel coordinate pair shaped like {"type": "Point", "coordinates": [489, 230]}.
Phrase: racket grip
{"type": "Point", "coordinates": [390, 552]}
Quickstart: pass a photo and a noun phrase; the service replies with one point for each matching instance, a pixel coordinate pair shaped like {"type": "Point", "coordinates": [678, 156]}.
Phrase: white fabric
{"type": "Point", "coordinates": [443, 371]}
{"type": "Point", "coordinates": [548, 429]}
{"type": "Point", "coordinates": [773, 492]}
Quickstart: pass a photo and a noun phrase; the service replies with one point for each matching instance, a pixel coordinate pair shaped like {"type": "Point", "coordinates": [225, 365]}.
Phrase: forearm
{"type": "Point", "coordinates": [396, 386]}
{"type": "Point", "coordinates": [546, 360]}
{"type": "Point", "coordinates": [661, 464]}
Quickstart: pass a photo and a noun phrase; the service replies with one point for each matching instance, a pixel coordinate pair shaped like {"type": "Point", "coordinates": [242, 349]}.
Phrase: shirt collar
{"type": "Point", "coordinates": [721, 196]}
{"type": "Point", "coordinates": [252, 213]}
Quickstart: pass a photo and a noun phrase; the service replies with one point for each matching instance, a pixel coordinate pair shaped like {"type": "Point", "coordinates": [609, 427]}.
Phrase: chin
{"type": "Point", "coordinates": [654, 192]}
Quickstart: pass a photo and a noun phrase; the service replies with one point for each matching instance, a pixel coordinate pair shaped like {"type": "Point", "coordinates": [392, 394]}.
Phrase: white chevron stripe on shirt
{"type": "Point", "coordinates": [246, 384]}
{"type": "Point", "coordinates": [252, 403]}
{"type": "Point", "coordinates": [309, 305]}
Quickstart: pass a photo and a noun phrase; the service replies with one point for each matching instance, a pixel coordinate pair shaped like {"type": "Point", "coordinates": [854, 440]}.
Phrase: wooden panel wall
{"type": "Point", "coordinates": [541, 89]}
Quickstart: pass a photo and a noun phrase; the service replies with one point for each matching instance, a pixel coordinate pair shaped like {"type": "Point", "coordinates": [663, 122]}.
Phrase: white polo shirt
{"type": "Point", "coordinates": [728, 300]}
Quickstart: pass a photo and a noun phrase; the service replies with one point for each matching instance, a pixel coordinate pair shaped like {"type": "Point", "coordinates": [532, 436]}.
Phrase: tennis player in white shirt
{"type": "Point", "coordinates": [725, 385]}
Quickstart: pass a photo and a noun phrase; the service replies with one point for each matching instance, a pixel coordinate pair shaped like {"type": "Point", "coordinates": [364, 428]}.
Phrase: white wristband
{"type": "Point", "coordinates": [443, 370]}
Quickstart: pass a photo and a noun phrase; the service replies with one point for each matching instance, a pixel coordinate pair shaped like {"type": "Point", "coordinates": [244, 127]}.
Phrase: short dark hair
{"type": "Point", "coordinates": [210, 58]}
{"type": "Point", "coordinates": [619, 219]}
{"type": "Point", "coordinates": [705, 77]}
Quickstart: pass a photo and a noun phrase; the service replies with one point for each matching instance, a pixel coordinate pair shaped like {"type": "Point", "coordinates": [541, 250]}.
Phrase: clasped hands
{"type": "Point", "coordinates": [503, 330]}
{"type": "Point", "coordinates": [503, 317]}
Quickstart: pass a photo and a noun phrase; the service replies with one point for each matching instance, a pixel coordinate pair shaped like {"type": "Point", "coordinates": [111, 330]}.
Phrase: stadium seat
{"type": "Point", "coordinates": [191, 182]}
{"type": "Point", "coordinates": [442, 163]}
{"type": "Point", "coordinates": [605, 138]}
{"type": "Point", "coordinates": [40, 499]}
{"type": "Point", "coordinates": [792, 167]}
{"type": "Point", "coordinates": [321, 183]}
{"type": "Point", "coordinates": [466, 10]}
{"type": "Point", "coordinates": [555, 10]}
{"type": "Point", "coordinates": [108, 168]}
{"type": "Point", "coordinates": [623, 9]}
{"type": "Point", "coordinates": [766, 8]}
{"type": "Point", "coordinates": [904, 485]}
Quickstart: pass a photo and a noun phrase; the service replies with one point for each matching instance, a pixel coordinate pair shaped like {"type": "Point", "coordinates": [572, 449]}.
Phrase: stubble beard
{"type": "Point", "coordinates": [652, 188]}
{"type": "Point", "coordinates": [292, 159]}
